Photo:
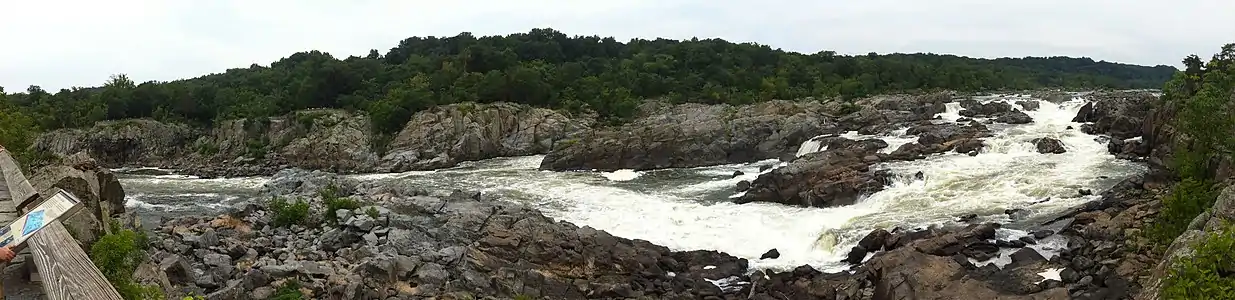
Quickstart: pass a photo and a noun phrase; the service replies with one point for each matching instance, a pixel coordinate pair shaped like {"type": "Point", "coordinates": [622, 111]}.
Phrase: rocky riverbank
{"type": "Point", "coordinates": [662, 135]}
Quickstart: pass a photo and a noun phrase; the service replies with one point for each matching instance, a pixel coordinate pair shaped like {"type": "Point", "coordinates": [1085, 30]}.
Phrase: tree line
{"type": "Point", "coordinates": [547, 68]}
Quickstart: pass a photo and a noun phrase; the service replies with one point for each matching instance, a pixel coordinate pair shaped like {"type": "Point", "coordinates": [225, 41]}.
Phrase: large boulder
{"type": "Point", "coordinates": [446, 135]}
{"type": "Point", "coordinates": [1119, 114]}
{"type": "Point", "coordinates": [690, 135]}
{"type": "Point", "coordinates": [833, 177]}
{"type": "Point", "coordinates": [100, 192]}
{"type": "Point", "coordinates": [1049, 145]}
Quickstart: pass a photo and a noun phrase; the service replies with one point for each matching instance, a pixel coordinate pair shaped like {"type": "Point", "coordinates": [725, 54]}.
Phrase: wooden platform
{"type": "Point", "coordinates": [63, 267]}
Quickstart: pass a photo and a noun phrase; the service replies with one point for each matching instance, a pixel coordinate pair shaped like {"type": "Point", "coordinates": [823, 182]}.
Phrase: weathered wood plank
{"type": "Point", "coordinates": [65, 270]}
{"type": "Point", "coordinates": [20, 190]}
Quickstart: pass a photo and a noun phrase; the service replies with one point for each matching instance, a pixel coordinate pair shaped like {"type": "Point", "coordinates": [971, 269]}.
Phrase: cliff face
{"type": "Point", "coordinates": [446, 135]}
{"type": "Point", "coordinates": [324, 139]}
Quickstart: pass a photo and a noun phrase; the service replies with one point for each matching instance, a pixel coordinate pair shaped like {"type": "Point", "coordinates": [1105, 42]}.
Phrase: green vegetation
{"type": "Point", "coordinates": [286, 214]}
{"type": "Point", "coordinates": [1207, 273]}
{"type": "Point", "coordinates": [372, 212]}
{"type": "Point", "coordinates": [117, 255]}
{"type": "Point", "coordinates": [290, 290]}
{"type": "Point", "coordinates": [334, 202]}
{"type": "Point", "coordinates": [1188, 198]}
{"type": "Point", "coordinates": [17, 130]}
{"type": "Point", "coordinates": [547, 68]}
{"type": "Point", "coordinates": [1204, 94]}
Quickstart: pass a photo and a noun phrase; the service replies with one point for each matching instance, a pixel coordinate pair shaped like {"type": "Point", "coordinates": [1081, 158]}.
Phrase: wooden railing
{"type": "Point", "coordinates": [63, 267]}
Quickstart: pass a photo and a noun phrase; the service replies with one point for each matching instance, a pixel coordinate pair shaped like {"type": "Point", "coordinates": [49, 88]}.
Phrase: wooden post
{"type": "Point", "coordinates": [65, 270]}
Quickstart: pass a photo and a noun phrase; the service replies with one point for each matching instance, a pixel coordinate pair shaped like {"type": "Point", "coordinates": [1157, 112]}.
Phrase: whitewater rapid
{"type": "Point", "coordinates": [690, 208]}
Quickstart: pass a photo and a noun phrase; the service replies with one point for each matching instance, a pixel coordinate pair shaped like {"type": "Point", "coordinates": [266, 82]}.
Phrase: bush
{"type": "Point", "coordinates": [290, 290]}
{"type": "Point", "coordinates": [334, 202]}
{"type": "Point", "coordinates": [1189, 198]}
{"type": "Point", "coordinates": [117, 256]}
{"type": "Point", "coordinates": [1208, 274]}
{"type": "Point", "coordinates": [286, 213]}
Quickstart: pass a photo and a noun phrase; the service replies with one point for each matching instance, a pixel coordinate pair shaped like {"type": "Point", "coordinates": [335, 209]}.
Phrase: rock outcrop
{"type": "Point", "coordinates": [1049, 145]}
{"type": "Point", "coordinates": [1119, 114]}
{"type": "Point", "coordinates": [834, 177]}
{"type": "Point", "coordinates": [446, 135]}
{"type": "Point", "coordinates": [100, 192]}
{"type": "Point", "coordinates": [692, 135]}
{"type": "Point", "coordinates": [457, 246]}
{"type": "Point", "coordinates": [117, 143]}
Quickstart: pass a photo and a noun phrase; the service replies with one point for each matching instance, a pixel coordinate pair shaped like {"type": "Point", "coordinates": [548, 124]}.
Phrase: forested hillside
{"type": "Point", "coordinates": [547, 68]}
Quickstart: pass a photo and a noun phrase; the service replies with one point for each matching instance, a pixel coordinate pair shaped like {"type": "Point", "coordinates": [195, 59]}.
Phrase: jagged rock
{"type": "Point", "coordinates": [823, 179]}
{"type": "Point", "coordinates": [443, 136]}
{"type": "Point", "coordinates": [1119, 114]}
{"type": "Point", "coordinates": [771, 254]}
{"type": "Point", "coordinates": [102, 196]}
{"type": "Point", "coordinates": [1049, 145]}
{"type": "Point", "coordinates": [1029, 105]}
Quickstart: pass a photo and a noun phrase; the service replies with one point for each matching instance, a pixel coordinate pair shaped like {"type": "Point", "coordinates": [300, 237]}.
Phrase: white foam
{"type": "Point", "coordinates": [622, 175]}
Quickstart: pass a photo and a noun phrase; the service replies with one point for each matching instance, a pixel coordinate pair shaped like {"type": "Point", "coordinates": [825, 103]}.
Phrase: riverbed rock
{"type": "Point", "coordinates": [830, 178]}
{"type": "Point", "coordinates": [446, 135]}
{"type": "Point", "coordinates": [690, 135]}
{"type": "Point", "coordinates": [1119, 114]}
{"type": "Point", "coordinates": [1049, 145]}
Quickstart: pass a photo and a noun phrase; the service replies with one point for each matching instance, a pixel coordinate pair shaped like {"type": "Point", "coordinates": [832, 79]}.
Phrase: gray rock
{"type": "Point", "coordinates": [362, 222]}
{"type": "Point", "coordinates": [262, 293]}
{"type": "Point", "coordinates": [343, 214]}
{"type": "Point", "coordinates": [432, 273]}
{"type": "Point", "coordinates": [177, 270]}
{"type": "Point", "coordinates": [337, 238]}
{"type": "Point", "coordinates": [217, 260]}
{"type": "Point", "coordinates": [282, 270]}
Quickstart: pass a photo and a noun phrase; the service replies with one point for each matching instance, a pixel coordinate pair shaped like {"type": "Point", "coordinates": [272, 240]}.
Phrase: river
{"type": "Point", "coordinates": [688, 209]}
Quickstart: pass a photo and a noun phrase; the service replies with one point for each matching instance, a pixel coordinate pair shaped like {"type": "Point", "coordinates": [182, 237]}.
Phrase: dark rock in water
{"type": "Point", "coordinates": [856, 255]}
{"type": "Point", "coordinates": [1010, 243]}
{"type": "Point", "coordinates": [1024, 256]}
{"type": "Point", "coordinates": [963, 120]}
{"type": "Point", "coordinates": [1069, 127]}
{"type": "Point", "coordinates": [1014, 117]}
{"type": "Point", "coordinates": [1049, 145]}
{"type": "Point", "coordinates": [771, 254]}
{"type": "Point", "coordinates": [1043, 200]}
{"type": "Point", "coordinates": [1042, 234]}
{"type": "Point", "coordinates": [875, 240]}
{"type": "Point", "coordinates": [981, 251]}
{"type": "Point", "coordinates": [764, 168]}
{"type": "Point", "coordinates": [970, 145]}
{"type": "Point", "coordinates": [1085, 192]}
{"type": "Point", "coordinates": [919, 175]}
{"type": "Point", "coordinates": [1012, 211]}
{"type": "Point", "coordinates": [972, 153]}
{"type": "Point", "coordinates": [1028, 240]}
{"type": "Point", "coordinates": [833, 177]}
{"type": "Point", "coordinates": [974, 108]}
{"type": "Point", "coordinates": [736, 174]}
{"type": "Point", "coordinates": [1028, 105]}
{"type": "Point", "coordinates": [967, 218]}
{"type": "Point", "coordinates": [1120, 114]}
{"type": "Point", "coordinates": [742, 186]}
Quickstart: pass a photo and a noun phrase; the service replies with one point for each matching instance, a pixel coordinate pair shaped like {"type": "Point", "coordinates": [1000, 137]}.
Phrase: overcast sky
{"type": "Point", "coordinates": [62, 43]}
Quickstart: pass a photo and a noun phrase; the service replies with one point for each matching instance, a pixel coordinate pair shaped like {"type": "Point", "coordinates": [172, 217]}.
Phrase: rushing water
{"type": "Point", "coordinates": [687, 209]}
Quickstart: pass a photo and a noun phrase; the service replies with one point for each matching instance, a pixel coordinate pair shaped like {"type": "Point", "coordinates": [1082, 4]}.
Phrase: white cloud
{"type": "Point", "coordinates": [62, 43]}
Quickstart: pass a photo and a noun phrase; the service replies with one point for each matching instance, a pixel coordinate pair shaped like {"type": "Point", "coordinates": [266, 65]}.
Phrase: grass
{"type": "Point", "coordinates": [289, 213]}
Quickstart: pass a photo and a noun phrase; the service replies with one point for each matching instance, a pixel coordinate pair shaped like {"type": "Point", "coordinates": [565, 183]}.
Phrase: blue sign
{"type": "Point", "coordinates": [34, 221]}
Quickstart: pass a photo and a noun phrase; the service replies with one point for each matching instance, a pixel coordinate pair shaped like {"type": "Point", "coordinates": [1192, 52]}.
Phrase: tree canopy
{"type": "Point", "coordinates": [547, 68]}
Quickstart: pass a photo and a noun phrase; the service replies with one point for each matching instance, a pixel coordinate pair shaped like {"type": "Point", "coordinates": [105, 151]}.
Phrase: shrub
{"type": "Point", "coordinates": [286, 213]}
{"type": "Point", "coordinates": [1189, 198]}
{"type": "Point", "coordinates": [334, 202]}
{"type": "Point", "coordinates": [372, 212]}
{"type": "Point", "coordinates": [290, 290]}
{"type": "Point", "coordinates": [1208, 274]}
{"type": "Point", "coordinates": [117, 256]}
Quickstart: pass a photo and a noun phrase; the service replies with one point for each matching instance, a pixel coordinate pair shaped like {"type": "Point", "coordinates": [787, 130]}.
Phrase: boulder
{"type": "Point", "coordinates": [446, 135]}
{"type": "Point", "coordinates": [1049, 145]}
{"type": "Point", "coordinates": [101, 194]}
{"type": "Point", "coordinates": [1120, 114]}
{"type": "Point", "coordinates": [833, 177]}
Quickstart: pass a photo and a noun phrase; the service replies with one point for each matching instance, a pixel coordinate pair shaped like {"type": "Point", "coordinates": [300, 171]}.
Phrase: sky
{"type": "Point", "coordinates": [63, 43]}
